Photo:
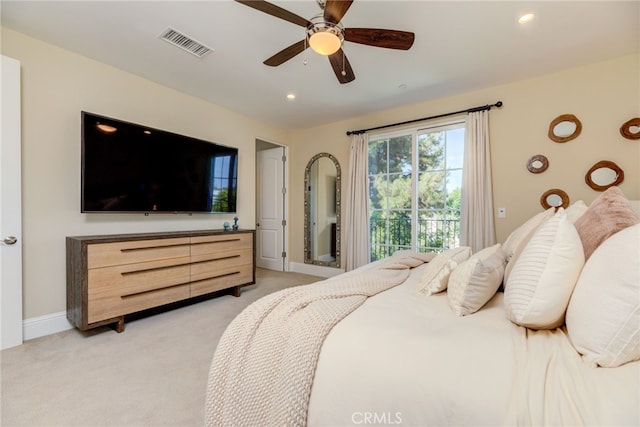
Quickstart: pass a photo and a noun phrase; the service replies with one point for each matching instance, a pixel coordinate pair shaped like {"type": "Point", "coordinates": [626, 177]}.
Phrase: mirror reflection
{"type": "Point", "coordinates": [322, 211]}
{"type": "Point", "coordinates": [554, 198]}
{"type": "Point", "coordinates": [603, 175]}
{"type": "Point", "coordinates": [564, 128]}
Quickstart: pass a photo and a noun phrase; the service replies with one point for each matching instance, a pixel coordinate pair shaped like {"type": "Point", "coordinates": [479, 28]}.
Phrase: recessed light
{"type": "Point", "coordinates": [291, 96]}
{"type": "Point", "coordinates": [526, 18]}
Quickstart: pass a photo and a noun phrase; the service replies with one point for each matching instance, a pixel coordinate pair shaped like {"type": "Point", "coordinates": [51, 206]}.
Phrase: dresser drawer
{"type": "Point", "coordinates": [140, 277]}
{"type": "Point", "coordinates": [220, 243]}
{"type": "Point", "coordinates": [221, 279]}
{"type": "Point", "coordinates": [111, 304]}
{"type": "Point", "coordinates": [222, 263]}
{"type": "Point", "coordinates": [128, 252]}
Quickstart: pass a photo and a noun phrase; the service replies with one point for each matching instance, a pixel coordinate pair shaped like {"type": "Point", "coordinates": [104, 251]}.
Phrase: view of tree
{"type": "Point", "coordinates": [438, 193]}
{"type": "Point", "coordinates": [220, 201]}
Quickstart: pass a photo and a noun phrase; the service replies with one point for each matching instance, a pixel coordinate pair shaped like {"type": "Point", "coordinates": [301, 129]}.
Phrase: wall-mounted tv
{"type": "Point", "coordinates": [137, 169]}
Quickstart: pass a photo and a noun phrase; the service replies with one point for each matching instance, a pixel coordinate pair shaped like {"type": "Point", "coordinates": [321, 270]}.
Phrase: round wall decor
{"type": "Point", "coordinates": [538, 163]}
{"type": "Point", "coordinates": [554, 198]}
{"type": "Point", "coordinates": [631, 129]}
{"type": "Point", "coordinates": [564, 128]}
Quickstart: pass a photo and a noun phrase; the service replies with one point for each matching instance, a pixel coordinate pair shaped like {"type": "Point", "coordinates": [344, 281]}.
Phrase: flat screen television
{"type": "Point", "coordinates": [137, 169]}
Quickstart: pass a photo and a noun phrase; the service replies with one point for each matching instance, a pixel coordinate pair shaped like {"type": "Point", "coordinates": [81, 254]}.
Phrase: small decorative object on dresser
{"type": "Point", "coordinates": [111, 276]}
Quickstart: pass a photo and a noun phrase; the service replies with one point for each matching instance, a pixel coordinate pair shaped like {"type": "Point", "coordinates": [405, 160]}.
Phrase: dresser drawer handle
{"type": "Point", "coordinates": [150, 291]}
{"type": "Point", "coordinates": [145, 248]}
{"type": "Point", "coordinates": [216, 259]}
{"type": "Point", "coordinates": [216, 277]}
{"type": "Point", "coordinates": [147, 270]}
{"type": "Point", "coordinates": [217, 241]}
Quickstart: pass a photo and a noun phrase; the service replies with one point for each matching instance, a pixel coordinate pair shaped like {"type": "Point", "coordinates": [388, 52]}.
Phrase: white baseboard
{"type": "Point", "coordinates": [314, 270]}
{"type": "Point", "coordinates": [36, 327]}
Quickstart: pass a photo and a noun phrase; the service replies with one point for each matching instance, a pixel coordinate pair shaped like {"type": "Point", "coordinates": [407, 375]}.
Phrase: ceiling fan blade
{"type": "Point", "coordinates": [286, 54]}
{"type": "Point", "coordinates": [341, 67]}
{"type": "Point", "coordinates": [334, 10]}
{"type": "Point", "coordinates": [277, 11]}
{"type": "Point", "coordinates": [391, 39]}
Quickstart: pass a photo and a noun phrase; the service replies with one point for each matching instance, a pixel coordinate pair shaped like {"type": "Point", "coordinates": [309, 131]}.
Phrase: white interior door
{"type": "Point", "coordinates": [10, 207]}
{"type": "Point", "coordinates": [270, 209]}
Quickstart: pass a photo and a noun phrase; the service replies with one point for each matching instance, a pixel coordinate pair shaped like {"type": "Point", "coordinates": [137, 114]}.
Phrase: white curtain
{"type": "Point", "coordinates": [477, 228]}
{"type": "Point", "coordinates": [356, 224]}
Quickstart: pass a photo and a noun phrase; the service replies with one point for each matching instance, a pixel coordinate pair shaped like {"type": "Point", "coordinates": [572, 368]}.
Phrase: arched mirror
{"type": "Point", "coordinates": [603, 175]}
{"type": "Point", "coordinates": [538, 163]}
{"type": "Point", "coordinates": [565, 128]}
{"type": "Point", "coordinates": [631, 129]}
{"type": "Point", "coordinates": [554, 198]}
{"type": "Point", "coordinates": [322, 211]}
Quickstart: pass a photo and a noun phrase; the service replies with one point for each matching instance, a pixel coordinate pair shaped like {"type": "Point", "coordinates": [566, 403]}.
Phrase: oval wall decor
{"type": "Point", "coordinates": [631, 129]}
{"type": "Point", "coordinates": [554, 198]}
{"type": "Point", "coordinates": [537, 164]}
{"type": "Point", "coordinates": [603, 175]}
{"type": "Point", "coordinates": [564, 128]}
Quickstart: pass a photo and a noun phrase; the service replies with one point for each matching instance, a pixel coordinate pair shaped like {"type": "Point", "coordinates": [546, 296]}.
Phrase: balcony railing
{"type": "Point", "coordinates": [433, 234]}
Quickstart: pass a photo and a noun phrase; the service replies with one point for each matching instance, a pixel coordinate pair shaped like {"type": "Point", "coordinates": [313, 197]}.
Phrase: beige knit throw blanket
{"type": "Point", "coordinates": [263, 367]}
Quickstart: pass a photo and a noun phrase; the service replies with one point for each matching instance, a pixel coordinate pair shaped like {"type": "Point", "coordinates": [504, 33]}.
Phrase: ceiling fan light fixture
{"type": "Point", "coordinates": [324, 43]}
{"type": "Point", "coordinates": [324, 37]}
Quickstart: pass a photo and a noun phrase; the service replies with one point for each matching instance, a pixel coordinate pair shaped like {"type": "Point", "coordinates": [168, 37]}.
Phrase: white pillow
{"type": "Point", "coordinates": [520, 235]}
{"type": "Point", "coordinates": [476, 280]}
{"type": "Point", "coordinates": [576, 210]}
{"type": "Point", "coordinates": [521, 239]}
{"type": "Point", "coordinates": [538, 290]}
{"type": "Point", "coordinates": [603, 317]}
{"type": "Point", "coordinates": [437, 273]}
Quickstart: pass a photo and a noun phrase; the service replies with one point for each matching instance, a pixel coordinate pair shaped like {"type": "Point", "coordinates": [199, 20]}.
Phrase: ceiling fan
{"type": "Point", "coordinates": [325, 35]}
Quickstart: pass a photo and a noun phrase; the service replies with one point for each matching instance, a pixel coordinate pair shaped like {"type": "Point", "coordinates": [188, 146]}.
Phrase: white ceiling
{"type": "Point", "coordinates": [460, 46]}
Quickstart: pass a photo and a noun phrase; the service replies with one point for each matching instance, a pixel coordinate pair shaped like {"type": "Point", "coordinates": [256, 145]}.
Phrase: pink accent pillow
{"type": "Point", "coordinates": [609, 213]}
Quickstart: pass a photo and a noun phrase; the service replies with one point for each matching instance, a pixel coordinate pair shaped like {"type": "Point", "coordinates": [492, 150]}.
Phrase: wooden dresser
{"type": "Point", "coordinates": [111, 276]}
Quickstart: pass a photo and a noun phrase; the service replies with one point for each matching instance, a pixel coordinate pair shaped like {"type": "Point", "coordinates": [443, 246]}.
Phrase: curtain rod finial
{"type": "Point", "coordinates": [499, 104]}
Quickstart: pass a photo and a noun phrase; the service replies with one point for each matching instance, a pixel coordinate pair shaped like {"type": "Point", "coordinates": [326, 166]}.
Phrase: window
{"type": "Point", "coordinates": [415, 189]}
{"type": "Point", "coordinates": [224, 172]}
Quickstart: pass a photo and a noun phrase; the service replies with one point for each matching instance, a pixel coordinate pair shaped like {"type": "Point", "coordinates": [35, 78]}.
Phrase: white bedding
{"type": "Point", "coordinates": [406, 359]}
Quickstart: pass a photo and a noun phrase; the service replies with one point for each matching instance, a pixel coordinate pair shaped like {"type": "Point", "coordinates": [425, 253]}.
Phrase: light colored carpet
{"type": "Point", "coordinates": [152, 374]}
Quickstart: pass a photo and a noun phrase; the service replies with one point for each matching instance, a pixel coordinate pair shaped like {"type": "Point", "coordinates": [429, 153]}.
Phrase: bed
{"type": "Point", "coordinates": [440, 339]}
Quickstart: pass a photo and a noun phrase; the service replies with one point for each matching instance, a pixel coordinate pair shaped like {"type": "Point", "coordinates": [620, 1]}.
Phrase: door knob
{"type": "Point", "coordinates": [10, 240]}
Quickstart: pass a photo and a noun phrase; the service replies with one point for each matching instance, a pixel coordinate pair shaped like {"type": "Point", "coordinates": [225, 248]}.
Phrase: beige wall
{"type": "Point", "coordinates": [56, 86]}
{"type": "Point", "coordinates": [602, 95]}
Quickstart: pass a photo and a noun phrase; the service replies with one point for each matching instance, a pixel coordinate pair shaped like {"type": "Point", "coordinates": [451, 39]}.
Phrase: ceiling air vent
{"type": "Point", "coordinates": [184, 42]}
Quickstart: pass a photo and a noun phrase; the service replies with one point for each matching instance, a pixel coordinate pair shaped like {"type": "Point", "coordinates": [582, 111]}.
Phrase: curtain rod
{"type": "Point", "coordinates": [468, 110]}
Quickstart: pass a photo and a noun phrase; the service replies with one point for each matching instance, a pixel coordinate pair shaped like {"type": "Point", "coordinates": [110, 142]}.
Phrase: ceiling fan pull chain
{"type": "Point", "coordinates": [344, 73]}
